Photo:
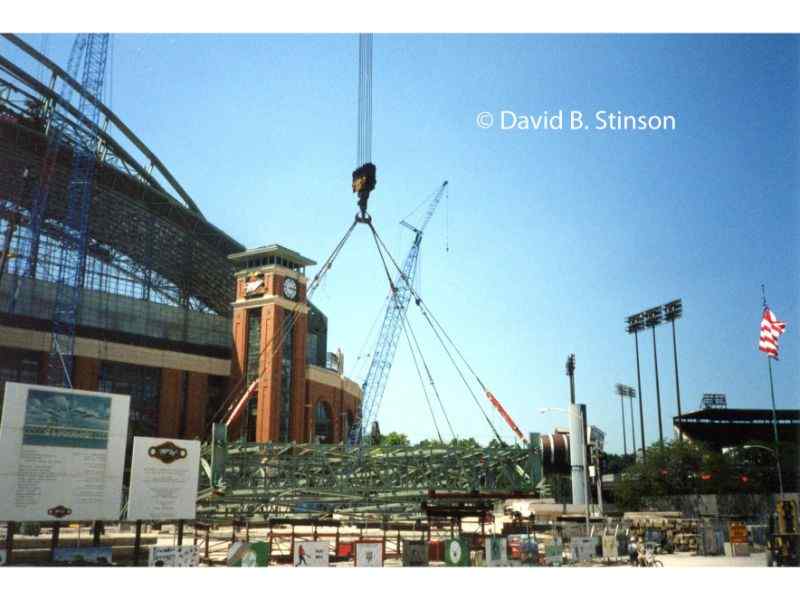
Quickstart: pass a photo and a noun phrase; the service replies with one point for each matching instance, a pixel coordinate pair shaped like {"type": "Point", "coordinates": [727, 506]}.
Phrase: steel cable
{"type": "Point", "coordinates": [436, 333]}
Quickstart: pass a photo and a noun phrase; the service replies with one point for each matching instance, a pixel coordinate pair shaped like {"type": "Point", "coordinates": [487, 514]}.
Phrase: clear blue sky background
{"type": "Point", "coordinates": [554, 237]}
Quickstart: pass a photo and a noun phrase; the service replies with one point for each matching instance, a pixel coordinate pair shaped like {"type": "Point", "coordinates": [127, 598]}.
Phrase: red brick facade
{"type": "Point", "coordinates": [309, 386]}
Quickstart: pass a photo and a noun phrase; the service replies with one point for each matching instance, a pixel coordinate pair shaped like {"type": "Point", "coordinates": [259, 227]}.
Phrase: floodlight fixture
{"type": "Point", "coordinates": [635, 323]}
{"type": "Point", "coordinates": [673, 310]}
{"type": "Point", "coordinates": [653, 316]}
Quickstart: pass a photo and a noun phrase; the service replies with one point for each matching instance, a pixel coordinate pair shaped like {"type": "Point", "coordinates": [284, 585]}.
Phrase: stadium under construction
{"type": "Point", "coordinates": [211, 340]}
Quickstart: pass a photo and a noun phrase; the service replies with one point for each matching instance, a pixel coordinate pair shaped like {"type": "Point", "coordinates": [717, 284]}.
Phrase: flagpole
{"type": "Point", "coordinates": [774, 411]}
{"type": "Point", "coordinates": [775, 427]}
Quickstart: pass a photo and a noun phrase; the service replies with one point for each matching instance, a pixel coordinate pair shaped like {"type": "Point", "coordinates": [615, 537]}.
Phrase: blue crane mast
{"type": "Point", "coordinates": [71, 260]}
{"type": "Point", "coordinates": [389, 335]}
{"type": "Point", "coordinates": [26, 265]}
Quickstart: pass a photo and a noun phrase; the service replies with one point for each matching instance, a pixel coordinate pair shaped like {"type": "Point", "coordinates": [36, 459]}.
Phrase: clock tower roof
{"type": "Point", "coordinates": [273, 254]}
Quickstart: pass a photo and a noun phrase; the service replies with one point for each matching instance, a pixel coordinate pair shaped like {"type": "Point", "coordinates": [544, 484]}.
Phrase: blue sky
{"type": "Point", "coordinates": [554, 236]}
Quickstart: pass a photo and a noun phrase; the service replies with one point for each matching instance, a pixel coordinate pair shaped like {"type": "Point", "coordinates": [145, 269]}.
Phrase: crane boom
{"type": "Point", "coordinates": [506, 417]}
{"type": "Point", "coordinates": [74, 241]}
{"type": "Point", "coordinates": [389, 335]}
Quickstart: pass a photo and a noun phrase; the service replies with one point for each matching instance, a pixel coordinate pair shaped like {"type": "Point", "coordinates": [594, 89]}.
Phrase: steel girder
{"type": "Point", "coordinates": [263, 480]}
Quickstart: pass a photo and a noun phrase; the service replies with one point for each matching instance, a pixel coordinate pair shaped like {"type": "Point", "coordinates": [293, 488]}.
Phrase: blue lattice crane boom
{"type": "Point", "coordinates": [71, 263]}
{"type": "Point", "coordinates": [29, 247]}
{"type": "Point", "coordinates": [389, 334]}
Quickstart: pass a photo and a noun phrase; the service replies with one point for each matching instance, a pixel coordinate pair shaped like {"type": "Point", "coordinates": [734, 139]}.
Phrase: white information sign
{"type": "Point", "coordinates": [583, 548]}
{"type": "Point", "coordinates": [311, 554]}
{"type": "Point", "coordinates": [164, 475]}
{"type": "Point", "coordinates": [610, 546]}
{"type": "Point", "coordinates": [62, 454]}
{"type": "Point", "coordinates": [496, 552]}
{"type": "Point", "coordinates": [173, 556]}
{"type": "Point", "coordinates": [369, 554]}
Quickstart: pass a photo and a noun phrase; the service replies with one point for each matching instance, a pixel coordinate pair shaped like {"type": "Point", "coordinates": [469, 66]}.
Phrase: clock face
{"type": "Point", "coordinates": [290, 288]}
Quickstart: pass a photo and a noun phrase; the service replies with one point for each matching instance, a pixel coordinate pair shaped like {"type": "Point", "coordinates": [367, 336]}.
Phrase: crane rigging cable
{"type": "Point", "coordinates": [421, 381]}
{"type": "Point", "coordinates": [380, 244]}
{"type": "Point", "coordinates": [364, 154]}
{"type": "Point", "coordinates": [358, 370]}
{"type": "Point", "coordinates": [431, 319]}
{"type": "Point", "coordinates": [430, 377]}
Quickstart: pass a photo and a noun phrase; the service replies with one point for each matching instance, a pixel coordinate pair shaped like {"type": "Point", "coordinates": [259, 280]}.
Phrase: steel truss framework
{"type": "Point", "coordinates": [145, 242]}
{"type": "Point", "coordinates": [265, 481]}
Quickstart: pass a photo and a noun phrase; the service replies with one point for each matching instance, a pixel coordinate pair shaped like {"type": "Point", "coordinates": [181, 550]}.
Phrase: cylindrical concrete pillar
{"type": "Point", "coordinates": [577, 454]}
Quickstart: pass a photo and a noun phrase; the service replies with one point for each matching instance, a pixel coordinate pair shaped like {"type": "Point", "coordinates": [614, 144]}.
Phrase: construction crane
{"type": "Point", "coordinates": [389, 335]}
{"type": "Point", "coordinates": [89, 55]}
{"type": "Point", "coordinates": [364, 179]}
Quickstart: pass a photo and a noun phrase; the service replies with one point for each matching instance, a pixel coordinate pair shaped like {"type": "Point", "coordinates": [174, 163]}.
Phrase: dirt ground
{"type": "Point", "coordinates": [686, 559]}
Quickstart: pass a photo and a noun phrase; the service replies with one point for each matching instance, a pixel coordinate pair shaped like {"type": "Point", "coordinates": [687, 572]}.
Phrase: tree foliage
{"type": "Point", "coordinates": [455, 443]}
{"type": "Point", "coordinates": [395, 439]}
{"type": "Point", "coordinates": [683, 468]}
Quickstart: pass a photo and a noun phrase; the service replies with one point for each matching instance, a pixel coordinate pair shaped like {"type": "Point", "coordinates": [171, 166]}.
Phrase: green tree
{"type": "Point", "coordinates": [679, 468]}
{"type": "Point", "coordinates": [616, 463]}
{"type": "Point", "coordinates": [395, 439]}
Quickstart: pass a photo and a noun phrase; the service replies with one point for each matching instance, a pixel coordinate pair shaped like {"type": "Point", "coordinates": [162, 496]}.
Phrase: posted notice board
{"type": "Point", "coordinates": [164, 474]}
{"type": "Point", "coordinates": [62, 454]}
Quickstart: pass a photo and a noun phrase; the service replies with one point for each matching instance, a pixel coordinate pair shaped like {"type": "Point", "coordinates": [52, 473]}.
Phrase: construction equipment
{"type": "Point", "coordinates": [783, 549]}
{"type": "Point", "coordinates": [389, 335]}
{"type": "Point", "coordinates": [506, 417]}
{"type": "Point", "coordinates": [364, 179]}
{"type": "Point", "coordinates": [72, 254]}
{"type": "Point", "coordinates": [363, 183]}
{"type": "Point", "coordinates": [13, 222]}
{"type": "Point", "coordinates": [89, 51]}
{"type": "Point", "coordinates": [259, 481]}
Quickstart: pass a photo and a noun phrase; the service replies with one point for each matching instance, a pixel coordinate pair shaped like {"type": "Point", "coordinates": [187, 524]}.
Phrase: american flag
{"type": "Point", "coordinates": [771, 329]}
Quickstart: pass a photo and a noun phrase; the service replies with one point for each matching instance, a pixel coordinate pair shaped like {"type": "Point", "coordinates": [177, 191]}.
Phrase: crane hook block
{"type": "Point", "coordinates": [364, 180]}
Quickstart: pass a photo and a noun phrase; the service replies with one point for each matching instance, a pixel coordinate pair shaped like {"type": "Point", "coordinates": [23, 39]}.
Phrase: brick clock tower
{"type": "Point", "coordinates": [293, 401]}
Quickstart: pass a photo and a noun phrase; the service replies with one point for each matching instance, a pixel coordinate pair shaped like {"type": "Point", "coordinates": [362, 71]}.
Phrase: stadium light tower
{"type": "Point", "coordinates": [635, 325]}
{"type": "Point", "coordinates": [625, 391]}
{"type": "Point", "coordinates": [652, 319]}
{"type": "Point", "coordinates": [672, 312]}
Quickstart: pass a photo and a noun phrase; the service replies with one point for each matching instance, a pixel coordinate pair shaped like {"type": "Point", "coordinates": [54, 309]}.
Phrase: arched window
{"type": "Point", "coordinates": [323, 423]}
{"type": "Point", "coordinates": [347, 424]}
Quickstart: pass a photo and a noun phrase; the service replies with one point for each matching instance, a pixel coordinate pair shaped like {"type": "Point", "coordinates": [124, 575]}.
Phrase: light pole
{"type": "Point", "coordinates": [621, 391]}
{"type": "Point", "coordinates": [672, 312]}
{"type": "Point", "coordinates": [653, 318]}
{"type": "Point", "coordinates": [626, 391]}
{"type": "Point", "coordinates": [571, 375]}
{"type": "Point", "coordinates": [635, 325]}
